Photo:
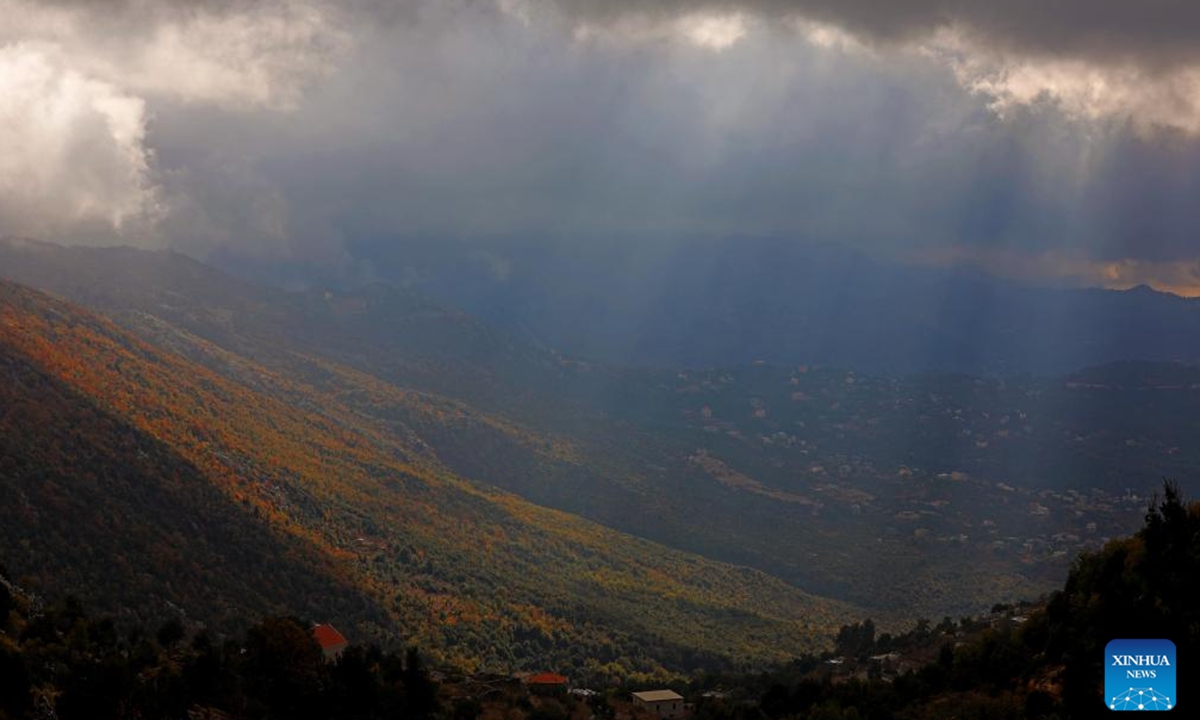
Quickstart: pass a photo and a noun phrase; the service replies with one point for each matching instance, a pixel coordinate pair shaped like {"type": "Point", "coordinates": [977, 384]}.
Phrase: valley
{"type": "Point", "coordinates": [901, 497]}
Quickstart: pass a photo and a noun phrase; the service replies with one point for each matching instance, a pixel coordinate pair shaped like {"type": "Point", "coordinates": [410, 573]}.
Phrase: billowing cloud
{"type": "Point", "coordinates": [77, 85]}
{"type": "Point", "coordinates": [229, 53]}
{"type": "Point", "coordinates": [1151, 96]}
{"type": "Point", "coordinates": [72, 152]}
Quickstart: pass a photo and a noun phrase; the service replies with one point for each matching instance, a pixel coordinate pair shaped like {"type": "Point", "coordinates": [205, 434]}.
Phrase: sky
{"type": "Point", "coordinates": [1053, 142]}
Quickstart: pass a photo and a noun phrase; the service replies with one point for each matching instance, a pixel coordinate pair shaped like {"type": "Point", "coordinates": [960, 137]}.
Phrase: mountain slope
{"type": "Point", "coordinates": [97, 505]}
{"type": "Point", "coordinates": [476, 572]}
{"type": "Point", "coordinates": [389, 332]}
{"type": "Point", "coordinates": [918, 496]}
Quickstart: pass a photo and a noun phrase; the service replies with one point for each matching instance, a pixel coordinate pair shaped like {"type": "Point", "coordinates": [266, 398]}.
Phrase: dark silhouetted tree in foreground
{"type": "Point", "coordinates": [59, 659]}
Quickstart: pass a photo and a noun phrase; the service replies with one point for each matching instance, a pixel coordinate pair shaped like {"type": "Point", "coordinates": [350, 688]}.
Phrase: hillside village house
{"type": "Point", "coordinates": [331, 641]}
{"type": "Point", "coordinates": [547, 683]}
{"type": "Point", "coordinates": [660, 703]}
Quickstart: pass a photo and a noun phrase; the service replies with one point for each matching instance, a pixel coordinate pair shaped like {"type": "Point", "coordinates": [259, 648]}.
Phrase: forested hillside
{"type": "Point", "coordinates": [465, 570]}
{"type": "Point", "coordinates": [94, 503]}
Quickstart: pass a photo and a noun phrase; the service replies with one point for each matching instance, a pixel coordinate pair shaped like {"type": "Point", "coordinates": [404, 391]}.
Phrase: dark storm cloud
{"type": "Point", "coordinates": [1153, 32]}
{"type": "Point", "coordinates": [1095, 60]}
{"type": "Point", "coordinates": [493, 139]}
{"type": "Point", "coordinates": [996, 132]}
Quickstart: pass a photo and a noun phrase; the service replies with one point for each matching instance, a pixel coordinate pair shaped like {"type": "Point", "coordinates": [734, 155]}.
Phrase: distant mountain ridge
{"type": "Point", "coordinates": [712, 303]}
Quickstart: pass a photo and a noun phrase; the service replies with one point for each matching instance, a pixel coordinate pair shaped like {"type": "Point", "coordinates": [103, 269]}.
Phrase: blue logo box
{"type": "Point", "coordinates": [1139, 675]}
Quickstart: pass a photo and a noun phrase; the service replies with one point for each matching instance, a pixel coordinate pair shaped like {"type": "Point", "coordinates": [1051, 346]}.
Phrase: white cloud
{"type": "Point", "coordinates": [79, 83]}
{"type": "Point", "coordinates": [715, 32]}
{"type": "Point", "coordinates": [73, 158]}
{"type": "Point", "coordinates": [241, 54]}
{"type": "Point", "coordinates": [1151, 99]}
{"type": "Point", "coordinates": [262, 57]}
{"type": "Point", "coordinates": [824, 35]}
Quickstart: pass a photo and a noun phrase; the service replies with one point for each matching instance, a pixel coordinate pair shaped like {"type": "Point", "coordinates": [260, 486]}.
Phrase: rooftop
{"type": "Point", "coordinates": [657, 695]}
{"type": "Point", "coordinates": [328, 636]}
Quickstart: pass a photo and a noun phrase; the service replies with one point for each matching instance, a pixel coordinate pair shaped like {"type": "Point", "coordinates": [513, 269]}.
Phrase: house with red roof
{"type": "Point", "coordinates": [547, 683]}
{"type": "Point", "coordinates": [331, 641]}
